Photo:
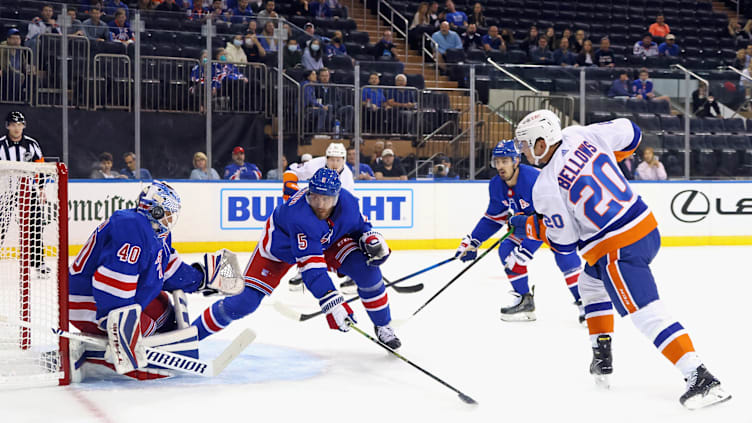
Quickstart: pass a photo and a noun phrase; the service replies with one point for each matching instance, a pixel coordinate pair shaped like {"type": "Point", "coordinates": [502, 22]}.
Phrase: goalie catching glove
{"type": "Point", "coordinates": [339, 315]}
{"type": "Point", "coordinates": [374, 247]}
{"type": "Point", "coordinates": [222, 273]}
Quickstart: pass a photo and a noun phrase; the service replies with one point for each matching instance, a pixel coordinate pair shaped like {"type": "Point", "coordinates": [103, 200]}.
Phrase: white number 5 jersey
{"type": "Point", "coordinates": [587, 202]}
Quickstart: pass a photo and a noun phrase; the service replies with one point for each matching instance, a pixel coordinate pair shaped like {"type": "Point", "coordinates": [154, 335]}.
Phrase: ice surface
{"type": "Point", "coordinates": [525, 372]}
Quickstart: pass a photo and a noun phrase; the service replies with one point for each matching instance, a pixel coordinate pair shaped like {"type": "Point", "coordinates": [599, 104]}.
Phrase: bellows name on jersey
{"type": "Point", "coordinates": [569, 173]}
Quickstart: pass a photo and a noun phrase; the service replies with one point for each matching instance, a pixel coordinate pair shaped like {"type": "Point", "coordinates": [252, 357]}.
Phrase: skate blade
{"type": "Point", "coordinates": [349, 291]}
{"type": "Point", "coordinates": [602, 381]}
{"type": "Point", "coordinates": [715, 395]}
{"type": "Point", "coordinates": [296, 288]}
{"type": "Point", "coordinates": [525, 316]}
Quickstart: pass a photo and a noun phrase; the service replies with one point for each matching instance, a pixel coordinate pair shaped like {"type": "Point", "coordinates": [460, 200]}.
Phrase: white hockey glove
{"type": "Point", "coordinates": [338, 312]}
{"type": "Point", "coordinates": [518, 259]}
{"type": "Point", "coordinates": [468, 249]}
{"type": "Point", "coordinates": [374, 247]}
{"type": "Point", "coordinates": [221, 273]}
{"type": "Point", "coordinates": [124, 348]}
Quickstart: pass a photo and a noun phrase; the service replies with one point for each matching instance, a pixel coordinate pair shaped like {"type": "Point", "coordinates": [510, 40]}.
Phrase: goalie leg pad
{"type": "Point", "coordinates": [370, 287]}
{"type": "Point", "coordinates": [124, 350]}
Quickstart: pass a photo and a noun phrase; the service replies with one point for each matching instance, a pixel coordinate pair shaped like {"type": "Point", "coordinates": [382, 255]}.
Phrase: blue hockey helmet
{"type": "Point", "coordinates": [325, 182]}
{"type": "Point", "coordinates": [160, 203]}
{"type": "Point", "coordinates": [506, 148]}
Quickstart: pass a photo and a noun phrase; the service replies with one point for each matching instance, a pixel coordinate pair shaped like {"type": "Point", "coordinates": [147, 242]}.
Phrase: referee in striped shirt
{"type": "Point", "coordinates": [17, 147]}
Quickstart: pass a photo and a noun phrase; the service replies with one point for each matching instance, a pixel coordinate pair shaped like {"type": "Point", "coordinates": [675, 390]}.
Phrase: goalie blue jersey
{"type": "Point", "coordinates": [124, 263]}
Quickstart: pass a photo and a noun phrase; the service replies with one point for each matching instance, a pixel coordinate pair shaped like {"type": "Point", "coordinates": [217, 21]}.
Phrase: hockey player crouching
{"type": "Point", "coordinates": [512, 190]}
{"type": "Point", "coordinates": [118, 288]}
{"type": "Point", "coordinates": [320, 227]}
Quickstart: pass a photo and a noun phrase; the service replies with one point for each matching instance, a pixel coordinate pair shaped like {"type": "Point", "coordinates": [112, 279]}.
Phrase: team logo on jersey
{"type": "Point", "coordinates": [524, 204]}
{"type": "Point", "coordinates": [328, 237]}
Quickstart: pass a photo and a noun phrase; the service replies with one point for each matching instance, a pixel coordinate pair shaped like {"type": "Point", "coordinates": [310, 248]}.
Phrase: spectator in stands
{"type": "Point", "coordinates": [507, 35]}
{"type": "Point", "coordinates": [374, 102]}
{"type": "Point", "coordinates": [313, 56]}
{"type": "Point", "coordinates": [256, 5]}
{"type": "Point", "coordinates": [218, 15]}
{"type": "Point", "coordinates": [253, 48]}
{"type": "Point", "coordinates": [471, 38]}
{"type": "Point", "coordinates": [621, 87]}
{"type": "Point", "coordinates": [567, 33]}
{"type": "Point", "coordinates": [317, 115]}
{"type": "Point", "coordinates": [421, 16]}
{"type": "Point", "coordinates": [267, 40]}
{"type": "Point", "coordinates": [651, 169]}
{"type": "Point", "coordinates": [120, 29]}
{"type": "Point", "coordinates": [378, 148]}
{"type": "Point", "coordinates": [403, 103]}
{"type": "Point", "coordinates": [388, 169]}
{"type": "Point", "coordinates": [197, 80]}
{"type": "Point", "coordinates": [75, 29]}
{"type": "Point", "coordinates": [604, 57]}
{"type": "Point", "coordinates": [384, 49]}
{"type": "Point", "coordinates": [531, 40]}
{"type": "Point", "coordinates": [365, 172]}
{"type": "Point", "coordinates": [741, 59]}
{"type": "Point", "coordinates": [336, 47]}
{"type": "Point", "coordinates": [550, 35]}
{"type": "Point", "coordinates": [242, 13]}
{"type": "Point", "coordinates": [477, 16]}
{"type": "Point", "coordinates": [337, 99]}
{"type": "Point", "coordinates": [200, 170]}
{"type": "Point", "coordinates": [234, 50]}
{"type": "Point", "coordinates": [319, 9]}
{"type": "Point", "coordinates": [229, 81]}
{"type": "Point", "coordinates": [669, 47]}
{"type": "Point", "coordinates": [145, 5]}
{"type": "Point", "coordinates": [268, 14]}
{"type": "Point", "coordinates": [94, 28]}
{"type": "Point", "coordinates": [541, 54]}
{"type": "Point", "coordinates": [579, 41]}
{"type": "Point", "coordinates": [703, 103]}
{"type": "Point", "coordinates": [252, 27]}
{"type": "Point", "coordinates": [292, 56]}
{"type": "Point", "coordinates": [645, 47]}
{"type": "Point", "coordinates": [239, 169]}
{"type": "Point", "coordinates": [445, 39]}
{"type": "Point", "coordinates": [167, 6]}
{"type": "Point", "coordinates": [111, 7]}
{"type": "Point", "coordinates": [103, 169]}
{"type": "Point", "coordinates": [13, 67]}
{"type": "Point", "coordinates": [276, 174]}
{"type": "Point", "coordinates": [44, 25]}
{"type": "Point", "coordinates": [308, 35]}
{"type": "Point", "coordinates": [433, 15]}
{"type": "Point", "coordinates": [739, 33]}
{"type": "Point", "coordinates": [563, 56]}
{"type": "Point", "coordinates": [198, 12]}
{"type": "Point", "coordinates": [586, 56]}
{"type": "Point", "coordinates": [659, 28]}
{"type": "Point", "coordinates": [746, 80]}
{"type": "Point", "coordinates": [493, 40]}
{"type": "Point", "coordinates": [455, 18]}
{"type": "Point", "coordinates": [643, 87]}
{"type": "Point", "coordinates": [443, 170]}
{"type": "Point", "coordinates": [300, 8]}
{"type": "Point", "coordinates": [129, 171]}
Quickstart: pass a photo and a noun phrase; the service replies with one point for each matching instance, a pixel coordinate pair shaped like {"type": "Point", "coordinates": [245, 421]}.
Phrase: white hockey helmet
{"type": "Point", "coordinates": [336, 149]}
{"type": "Point", "coordinates": [536, 125]}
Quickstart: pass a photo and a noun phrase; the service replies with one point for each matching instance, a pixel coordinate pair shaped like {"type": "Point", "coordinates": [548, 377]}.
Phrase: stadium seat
{"type": "Point", "coordinates": [595, 117]}
{"type": "Point", "coordinates": [648, 122]}
{"type": "Point", "coordinates": [653, 140]}
{"type": "Point", "coordinates": [696, 125]}
{"type": "Point", "coordinates": [712, 125]}
{"type": "Point", "coordinates": [739, 142]}
{"type": "Point", "coordinates": [659, 107]}
{"type": "Point", "coordinates": [637, 105]}
{"type": "Point", "coordinates": [673, 142]}
{"type": "Point", "coordinates": [716, 142]}
{"type": "Point", "coordinates": [670, 123]}
{"type": "Point", "coordinates": [454, 55]}
{"type": "Point", "coordinates": [416, 80]}
{"type": "Point", "coordinates": [735, 126]}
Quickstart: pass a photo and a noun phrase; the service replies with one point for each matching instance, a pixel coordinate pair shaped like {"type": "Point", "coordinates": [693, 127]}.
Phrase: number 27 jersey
{"type": "Point", "coordinates": [587, 202]}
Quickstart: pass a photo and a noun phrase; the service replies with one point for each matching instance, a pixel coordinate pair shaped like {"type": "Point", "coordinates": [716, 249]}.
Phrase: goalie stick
{"type": "Point", "coordinates": [166, 359]}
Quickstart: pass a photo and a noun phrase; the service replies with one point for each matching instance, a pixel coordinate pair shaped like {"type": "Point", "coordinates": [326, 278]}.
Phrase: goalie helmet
{"type": "Point", "coordinates": [540, 124]}
{"type": "Point", "coordinates": [160, 203]}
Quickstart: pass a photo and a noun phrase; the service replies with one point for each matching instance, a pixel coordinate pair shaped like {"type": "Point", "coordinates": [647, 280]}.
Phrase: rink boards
{"type": "Point", "coordinates": [412, 215]}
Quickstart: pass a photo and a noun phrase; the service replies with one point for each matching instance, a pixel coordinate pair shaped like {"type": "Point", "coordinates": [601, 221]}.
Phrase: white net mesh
{"type": "Point", "coordinates": [29, 283]}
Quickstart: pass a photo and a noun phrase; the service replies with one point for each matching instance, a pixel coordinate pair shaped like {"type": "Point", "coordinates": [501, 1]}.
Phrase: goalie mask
{"type": "Point", "coordinates": [160, 203]}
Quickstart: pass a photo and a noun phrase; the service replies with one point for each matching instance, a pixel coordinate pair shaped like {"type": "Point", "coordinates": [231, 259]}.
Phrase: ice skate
{"type": "Point", "coordinates": [523, 309]}
{"type": "Point", "coordinates": [703, 390]}
{"type": "Point", "coordinates": [386, 335]}
{"type": "Point", "coordinates": [601, 365]}
{"type": "Point", "coordinates": [348, 287]}
{"type": "Point", "coordinates": [296, 283]}
{"type": "Point", "coordinates": [581, 309]}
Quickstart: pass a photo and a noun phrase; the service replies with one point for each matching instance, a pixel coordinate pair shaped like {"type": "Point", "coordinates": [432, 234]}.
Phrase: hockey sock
{"type": "Point", "coordinates": [518, 281]}
{"type": "Point", "coordinates": [221, 313]}
{"type": "Point", "coordinates": [600, 320]}
{"type": "Point", "coordinates": [571, 278]}
{"type": "Point", "coordinates": [668, 335]}
{"type": "Point", "coordinates": [376, 303]}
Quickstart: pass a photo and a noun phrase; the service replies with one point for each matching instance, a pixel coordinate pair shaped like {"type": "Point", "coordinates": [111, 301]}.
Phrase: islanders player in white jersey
{"type": "Point", "coordinates": [334, 159]}
{"type": "Point", "coordinates": [511, 191]}
{"type": "Point", "coordinates": [585, 204]}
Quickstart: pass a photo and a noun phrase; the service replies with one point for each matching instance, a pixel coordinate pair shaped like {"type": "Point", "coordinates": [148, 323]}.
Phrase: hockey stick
{"type": "Point", "coordinates": [463, 271]}
{"type": "Point", "coordinates": [404, 289]}
{"type": "Point", "coordinates": [412, 288]}
{"type": "Point", "coordinates": [462, 396]}
{"type": "Point", "coordinates": [166, 359]}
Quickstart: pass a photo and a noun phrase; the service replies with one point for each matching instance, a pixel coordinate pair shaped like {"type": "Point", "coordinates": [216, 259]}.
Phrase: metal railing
{"type": "Point", "coordinates": [112, 82]}
{"type": "Point", "coordinates": [393, 20]}
{"type": "Point", "coordinates": [430, 53]}
{"type": "Point", "coordinates": [49, 72]}
{"type": "Point", "coordinates": [391, 111]}
{"type": "Point", "coordinates": [328, 109]}
{"type": "Point", "coordinates": [16, 74]}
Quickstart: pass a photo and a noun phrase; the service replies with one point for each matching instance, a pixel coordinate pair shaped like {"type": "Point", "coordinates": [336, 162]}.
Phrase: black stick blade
{"type": "Point", "coordinates": [467, 399]}
{"type": "Point", "coordinates": [408, 289]}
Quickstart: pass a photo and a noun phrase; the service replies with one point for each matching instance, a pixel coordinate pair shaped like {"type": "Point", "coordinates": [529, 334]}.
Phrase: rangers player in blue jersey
{"type": "Point", "coordinates": [318, 228]}
{"type": "Point", "coordinates": [127, 266]}
{"type": "Point", "coordinates": [511, 191]}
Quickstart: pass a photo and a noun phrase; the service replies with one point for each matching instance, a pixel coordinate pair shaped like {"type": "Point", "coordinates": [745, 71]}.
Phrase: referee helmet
{"type": "Point", "coordinates": [15, 117]}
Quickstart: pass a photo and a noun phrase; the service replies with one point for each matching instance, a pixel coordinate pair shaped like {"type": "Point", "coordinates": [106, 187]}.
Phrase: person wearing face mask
{"type": "Point", "coordinates": [197, 81]}
{"type": "Point", "coordinates": [312, 56]}
{"type": "Point", "coordinates": [229, 81]}
{"type": "Point", "coordinates": [253, 49]}
{"type": "Point", "coordinates": [336, 47]}
{"type": "Point", "coordinates": [234, 50]}
{"type": "Point", "coordinates": [292, 55]}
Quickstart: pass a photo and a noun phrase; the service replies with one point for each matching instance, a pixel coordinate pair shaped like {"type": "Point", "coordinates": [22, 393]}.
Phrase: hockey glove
{"type": "Point", "coordinates": [221, 274]}
{"type": "Point", "coordinates": [528, 227]}
{"type": "Point", "coordinates": [517, 259]}
{"type": "Point", "coordinates": [338, 312]}
{"type": "Point", "coordinates": [468, 249]}
{"type": "Point", "coordinates": [374, 247]}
